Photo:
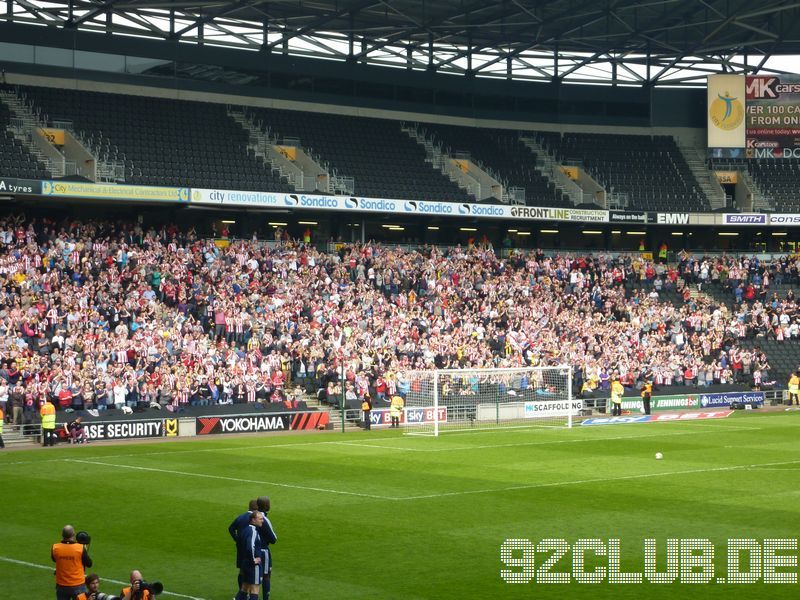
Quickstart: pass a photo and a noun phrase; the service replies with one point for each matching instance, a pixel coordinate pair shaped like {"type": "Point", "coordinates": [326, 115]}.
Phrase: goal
{"type": "Point", "coordinates": [459, 399]}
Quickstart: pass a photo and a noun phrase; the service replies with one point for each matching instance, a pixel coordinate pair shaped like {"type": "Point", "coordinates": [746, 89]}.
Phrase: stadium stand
{"type": "Point", "coordinates": [500, 152]}
{"type": "Point", "coordinates": [777, 181]}
{"type": "Point", "coordinates": [383, 161]}
{"type": "Point", "coordinates": [651, 171]}
{"type": "Point", "coordinates": [163, 142]}
{"type": "Point", "coordinates": [101, 314]}
{"type": "Point", "coordinates": [14, 157]}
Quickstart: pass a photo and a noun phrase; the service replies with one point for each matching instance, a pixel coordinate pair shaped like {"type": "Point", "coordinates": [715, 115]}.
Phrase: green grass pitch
{"type": "Point", "coordinates": [383, 516]}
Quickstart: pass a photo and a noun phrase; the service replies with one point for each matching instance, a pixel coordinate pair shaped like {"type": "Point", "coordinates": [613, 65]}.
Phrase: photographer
{"type": "Point", "coordinates": [93, 590]}
{"type": "Point", "coordinates": [71, 557]}
{"type": "Point", "coordinates": [139, 589]}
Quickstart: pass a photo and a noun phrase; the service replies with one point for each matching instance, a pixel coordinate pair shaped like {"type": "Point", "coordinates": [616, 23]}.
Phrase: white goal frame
{"type": "Point", "coordinates": [429, 413]}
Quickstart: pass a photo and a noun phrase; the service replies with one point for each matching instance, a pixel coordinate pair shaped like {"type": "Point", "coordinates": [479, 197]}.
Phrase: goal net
{"type": "Point", "coordinates": [458, 399]}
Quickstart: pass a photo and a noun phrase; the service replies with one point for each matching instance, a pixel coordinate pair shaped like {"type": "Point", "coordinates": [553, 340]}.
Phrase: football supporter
{"type": "Point", "coordinates": [109, 315]}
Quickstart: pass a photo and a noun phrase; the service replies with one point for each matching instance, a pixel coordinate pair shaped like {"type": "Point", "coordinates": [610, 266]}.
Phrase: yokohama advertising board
{"type": "Point", "coordinates": [262, 422]}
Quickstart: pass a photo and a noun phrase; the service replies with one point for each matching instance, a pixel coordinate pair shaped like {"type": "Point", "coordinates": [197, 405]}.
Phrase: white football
{"type": "Point", "coordinates": [659, 456]}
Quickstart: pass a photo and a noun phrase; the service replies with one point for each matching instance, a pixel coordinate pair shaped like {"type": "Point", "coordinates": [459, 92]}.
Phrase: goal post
{"type": "Point", "coordinates": [445, 400]}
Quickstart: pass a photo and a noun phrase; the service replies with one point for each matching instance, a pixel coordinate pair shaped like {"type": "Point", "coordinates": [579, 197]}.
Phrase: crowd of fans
{"type": "Point", "coordinates": [95, 315]}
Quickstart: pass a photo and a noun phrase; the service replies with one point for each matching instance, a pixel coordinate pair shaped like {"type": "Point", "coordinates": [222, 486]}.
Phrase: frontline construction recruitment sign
{"type": "Point", "coordinates": [255, 423]}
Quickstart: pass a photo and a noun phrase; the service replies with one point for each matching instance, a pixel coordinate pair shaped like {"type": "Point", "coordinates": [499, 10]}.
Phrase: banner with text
{"type": "Point", "coordinates": [773, 116]}
{"type": "Point", "coordinates": [393, 206]}
{"type": "Point", "coordinates": [12, 185]}
{"type": "Point", "coordinates": [552, 408]}
{"type": "Point", "coordinates": [744, 219]}
{"type": "Point", "coordinates": [663, 402]}
{"type": "Point", "coordinates": [728, 398]}
{"type": "Point", "coordinates": [121, 430]}
{"type": "Point", "coordinates": [75, 189]}
{"type": "Point", "coordinates": [411, 416]}
{"type": "Point", "coordinates": [262, 422]}
{"type": "Point", "coordinates": [632, 217]}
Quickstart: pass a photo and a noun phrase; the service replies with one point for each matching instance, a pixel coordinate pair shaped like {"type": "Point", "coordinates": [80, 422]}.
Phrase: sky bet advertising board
{"type": "Point", "coordinates": [412, 416]}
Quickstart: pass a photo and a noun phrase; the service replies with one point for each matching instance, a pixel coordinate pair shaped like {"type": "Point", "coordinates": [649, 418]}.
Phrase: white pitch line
{"type": "Point", "coordinates": [773, 469]}
{"type": "Point", "coordinates": [50, 568]}
{"type": "Point", "coordinates": [598, 480]}
{"type": "Point", "coordinates": [459, 493]}
{"type": "Point", "coordinates": [717, 426]}
{"type": "Point", "coordinates": [192, 451]}
{"type": "Point", "coordinates": [538, 443]}
{"type": "Point", "coordinates": [224, 478]}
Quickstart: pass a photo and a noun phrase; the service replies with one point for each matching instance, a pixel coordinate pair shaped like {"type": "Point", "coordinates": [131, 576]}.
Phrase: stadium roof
{"type": "Point", "coordinates": [626, 42]}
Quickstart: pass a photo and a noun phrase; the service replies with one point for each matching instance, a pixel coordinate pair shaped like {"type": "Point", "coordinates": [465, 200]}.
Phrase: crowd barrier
{"type": "Point", "coordinates": [110, 426]}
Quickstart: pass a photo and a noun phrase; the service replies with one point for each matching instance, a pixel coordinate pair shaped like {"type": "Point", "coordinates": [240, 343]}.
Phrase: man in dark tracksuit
{"type": "Point", "coordinates": [238, 524]}
{"type": "Point", "coordinates": [253, 557]}
{"type": "Point", "coordinates": [266, 534]}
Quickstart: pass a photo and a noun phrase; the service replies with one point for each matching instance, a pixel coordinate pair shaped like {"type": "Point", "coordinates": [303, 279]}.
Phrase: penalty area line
{"type": "Point", "coordinates": [23, 563]}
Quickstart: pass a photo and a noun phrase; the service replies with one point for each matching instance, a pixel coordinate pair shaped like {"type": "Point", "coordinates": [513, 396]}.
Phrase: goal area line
{"type": "Point", "coordinates": [444, 429]}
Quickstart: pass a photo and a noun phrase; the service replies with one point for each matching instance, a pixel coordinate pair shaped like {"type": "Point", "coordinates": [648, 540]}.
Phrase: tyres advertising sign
{"type": "Point", "coordinates": [261, 423]}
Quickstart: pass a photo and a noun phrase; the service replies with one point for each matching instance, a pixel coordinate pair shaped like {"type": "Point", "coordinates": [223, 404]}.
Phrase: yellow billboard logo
{"type": "Point", "coordinates": [171, 427]}
{"type": "Point", "coordinates": [726, 112]}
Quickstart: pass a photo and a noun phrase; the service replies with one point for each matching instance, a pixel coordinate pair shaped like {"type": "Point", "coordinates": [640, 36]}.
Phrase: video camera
{"type": "Point", "coordinates": [155, 587]}
{"type": "Point", "coordinates": [83, 538]}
